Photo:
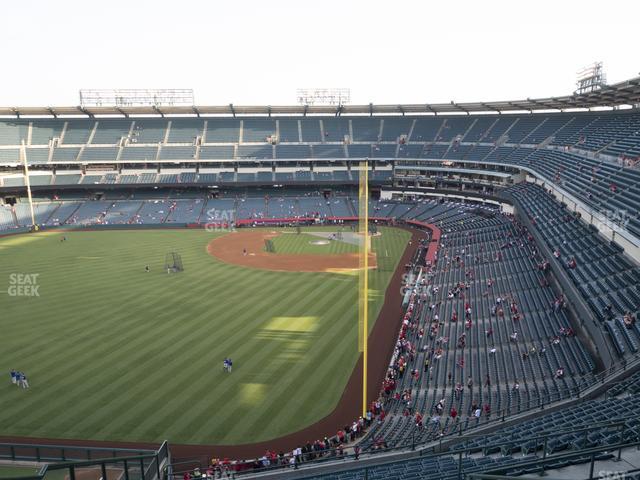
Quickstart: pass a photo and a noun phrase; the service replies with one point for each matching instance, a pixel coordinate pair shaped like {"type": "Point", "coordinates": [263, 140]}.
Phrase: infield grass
{"type": "Point", "coordinates": [289, 242]}
{"type": "Point", "coordinates": [115, 353]}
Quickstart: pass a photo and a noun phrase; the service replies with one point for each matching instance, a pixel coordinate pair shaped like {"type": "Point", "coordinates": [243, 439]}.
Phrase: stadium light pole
{"type": "Point", "coordinates": [363, 297]}
{"type": "Point", "coordinates": [23, 154]}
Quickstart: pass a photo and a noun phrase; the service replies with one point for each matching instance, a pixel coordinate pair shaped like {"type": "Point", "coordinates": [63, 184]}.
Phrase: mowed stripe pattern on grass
{"type": "Point", "coordinates": [114, 353]}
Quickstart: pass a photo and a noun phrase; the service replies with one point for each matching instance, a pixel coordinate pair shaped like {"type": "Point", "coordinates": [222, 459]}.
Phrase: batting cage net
{"type": "Point", "coordinates": [173, 262]}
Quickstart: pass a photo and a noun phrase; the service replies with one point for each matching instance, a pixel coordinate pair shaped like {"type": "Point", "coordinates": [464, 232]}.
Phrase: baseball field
{"type": "Point", "coordinates": [113, 352]}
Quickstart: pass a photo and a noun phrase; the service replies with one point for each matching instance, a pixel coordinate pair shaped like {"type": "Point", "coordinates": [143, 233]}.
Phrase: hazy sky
{"type": "Point", "coordinates": [260, 52]}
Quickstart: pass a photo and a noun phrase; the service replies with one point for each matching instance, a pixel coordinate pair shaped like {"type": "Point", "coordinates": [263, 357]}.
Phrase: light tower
{"type": "Point", "coordinates": [590, 79]}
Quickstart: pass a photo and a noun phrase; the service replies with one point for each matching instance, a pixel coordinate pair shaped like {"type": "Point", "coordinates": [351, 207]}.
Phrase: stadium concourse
{"type": "Point", "coordinates": [521, 291]}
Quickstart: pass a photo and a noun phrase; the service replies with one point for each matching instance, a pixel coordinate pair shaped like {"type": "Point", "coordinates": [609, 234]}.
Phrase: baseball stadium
{"type": "Point", "coordinates": [323, 290]}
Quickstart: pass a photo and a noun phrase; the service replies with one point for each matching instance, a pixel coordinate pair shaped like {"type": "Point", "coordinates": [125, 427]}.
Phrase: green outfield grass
{"type": "Point", "coordinates": [7, 471]}
{"type": "Point", "coordinates": [13, 471]}
{"type": "Point", "coordinates": [114, 353]}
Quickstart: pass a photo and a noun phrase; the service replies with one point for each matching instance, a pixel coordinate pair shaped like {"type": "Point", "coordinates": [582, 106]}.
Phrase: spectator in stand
{"type": "Point", "coordinates": [629, 319]}
{"type": "Point", "coordinates": [608, 311]}
{"type": "Point", "coordinates": [418, 420]}
{"type": "Point", "coordinates": [457, 391]}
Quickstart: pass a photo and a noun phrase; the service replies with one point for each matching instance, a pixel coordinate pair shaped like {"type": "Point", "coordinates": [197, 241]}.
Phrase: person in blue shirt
{"type": "Point", "coordinates": [14, 377]}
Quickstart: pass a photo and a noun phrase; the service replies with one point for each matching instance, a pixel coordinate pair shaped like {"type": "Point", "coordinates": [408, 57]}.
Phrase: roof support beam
{"type": "Point", "coordinates": [86, 112]}
{"type": "Point", "coordinates": [455, 105]}
{"type": "Point", "coordinates": [158, 111]}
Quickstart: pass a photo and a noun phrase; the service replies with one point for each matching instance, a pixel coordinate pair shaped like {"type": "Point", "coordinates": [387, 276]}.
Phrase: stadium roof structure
{"type": "Point", "coordinates": [626, 93]}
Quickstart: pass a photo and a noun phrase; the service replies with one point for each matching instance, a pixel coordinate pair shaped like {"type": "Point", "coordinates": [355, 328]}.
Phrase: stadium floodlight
{"type": "Point", "coordinates": [590, 79]}
{"type": "Point", "coordinates": [131, 97]}
{"type": "Point", "coordinates": [323, 96]}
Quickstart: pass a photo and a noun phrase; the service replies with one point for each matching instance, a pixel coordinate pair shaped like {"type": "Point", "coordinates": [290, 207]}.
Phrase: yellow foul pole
{"type": "Point", "coordinates": [23, 154]}
{"type": "Point", "coordinates": [363, 297]}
